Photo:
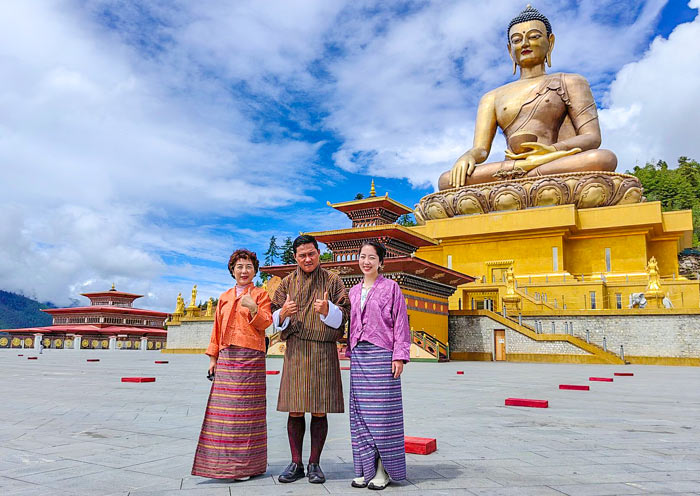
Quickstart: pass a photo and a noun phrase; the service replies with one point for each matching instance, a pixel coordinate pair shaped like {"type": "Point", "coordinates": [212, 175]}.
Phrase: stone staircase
{"type": "Point", "coordinates": [528, 331]}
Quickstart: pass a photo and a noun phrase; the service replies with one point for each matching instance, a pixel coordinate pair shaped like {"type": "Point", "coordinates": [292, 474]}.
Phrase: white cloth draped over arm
{"type": "Point", "coordinates": [334, 317]}
{"type": "Point", "coordinates": [276, 320]}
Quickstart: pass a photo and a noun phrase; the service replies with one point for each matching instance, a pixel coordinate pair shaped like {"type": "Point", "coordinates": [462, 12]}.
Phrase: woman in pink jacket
{"type": "Point", "coordinates": [379, 345]}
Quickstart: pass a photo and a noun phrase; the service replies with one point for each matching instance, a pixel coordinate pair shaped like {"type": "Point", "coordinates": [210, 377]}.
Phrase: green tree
{"type": "Point", "coordinates": [272, 252]}
{"type": "Point", "coordinates": [287, 252]}
{"type": "Point", "coordinates": [406, 220]}
{"type": "Point", "coordinates": [675, 189]}
{"type": "Point", "coordinates": [326, 256]}
{"type": "Point", "coordinates": [359, 196]}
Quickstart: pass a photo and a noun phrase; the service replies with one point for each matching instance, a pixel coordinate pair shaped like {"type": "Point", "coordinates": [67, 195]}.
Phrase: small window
{"type": "Point", "coordinates": [593, 307]}
{"type": "Point", "coordinates": [618, 300]}
{"type": "Point", "coordinates": [607, 260]}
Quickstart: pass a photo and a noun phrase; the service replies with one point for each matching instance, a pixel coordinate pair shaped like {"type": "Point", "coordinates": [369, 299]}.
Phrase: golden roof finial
{"type": "Point", "coordinates": [113, 288]}
{"type": "Point", "coordinates": [372, 191]}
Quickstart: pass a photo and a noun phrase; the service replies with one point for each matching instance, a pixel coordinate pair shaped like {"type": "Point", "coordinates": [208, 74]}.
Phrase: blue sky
{"type": "Point", "coordinates": [142, 141]}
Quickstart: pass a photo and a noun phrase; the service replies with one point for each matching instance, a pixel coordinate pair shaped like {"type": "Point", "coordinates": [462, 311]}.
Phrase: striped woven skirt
{"type": "Point", "coordinates": [376, 413]}
{"type": "Point", "coordinates": [233, 441]}
{"type": "Point", "coordinates": [311, 380]}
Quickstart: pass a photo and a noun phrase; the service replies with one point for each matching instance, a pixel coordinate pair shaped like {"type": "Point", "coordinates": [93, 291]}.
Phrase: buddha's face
{"type": "Point", "coordinates": [529, 43]}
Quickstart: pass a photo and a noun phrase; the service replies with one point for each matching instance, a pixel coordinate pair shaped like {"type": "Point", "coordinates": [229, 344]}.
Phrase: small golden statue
{"type": "Point", "coordinates": [193, 301]}
{"type": "Point", "coordinates": [654, 285]}
{"type": "Point", "coordinates": [210, 308]}
{"type": "Point", "coordinates": [511, 300]}
{"type": "Point", "coordinates": [510, 281]}
{"type": "Point", "coordinates": [179, 305]}
{"type": "Point", "coordinates": [550, 121]}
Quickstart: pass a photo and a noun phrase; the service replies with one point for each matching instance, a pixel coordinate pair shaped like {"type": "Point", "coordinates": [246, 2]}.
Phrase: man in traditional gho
{"type": "Point", "coordinates": [310, 307]}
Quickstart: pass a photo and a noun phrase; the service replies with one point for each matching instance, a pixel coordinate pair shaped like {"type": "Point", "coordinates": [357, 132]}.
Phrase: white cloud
{"type": "Point", "coordinates": [131, 153]}
{"type": "Point", "coordinates": [405, 100]}
{"type": "Point", "coordinates": [654, 101]}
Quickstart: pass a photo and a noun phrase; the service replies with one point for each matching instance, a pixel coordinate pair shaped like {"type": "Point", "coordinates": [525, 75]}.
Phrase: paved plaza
{"type": "Point", "coordinates": [69, 427]}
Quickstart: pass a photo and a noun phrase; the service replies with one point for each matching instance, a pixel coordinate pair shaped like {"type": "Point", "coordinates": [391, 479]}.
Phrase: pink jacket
{"type": "Point", "coordinates": [383, 321]}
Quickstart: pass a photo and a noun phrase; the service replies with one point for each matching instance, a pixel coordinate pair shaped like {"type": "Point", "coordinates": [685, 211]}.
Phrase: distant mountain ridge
{"type": "Point", "coordinates": [17, 311]}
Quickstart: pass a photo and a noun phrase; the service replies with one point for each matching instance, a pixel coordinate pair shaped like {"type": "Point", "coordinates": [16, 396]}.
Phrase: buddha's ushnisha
{"type": "Point", "coordinates": [550, 121]}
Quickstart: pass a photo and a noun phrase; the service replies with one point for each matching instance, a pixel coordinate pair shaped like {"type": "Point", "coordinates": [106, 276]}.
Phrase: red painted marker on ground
{"type": "Point", "coordinates": [32, 358]}
{"type": "Point", "coordinates": [138, 379]}
{"type": "Point", "coordinates": [574, 387]}
{"type": "Point", "coordinates": [624, 374]}
{"type": "Point", "coordinates": [420, 445]}
{"type": "Point", "coordinates": [272, 372]}
{"type": "Point", "coordinates": [161, 361]}
{"type": "Point", "coordinates": [527, 402]}
{"type": "Point", "coordinates": [601, 379]}
{"type": "Point", "coordinates": [344, 368]}
{"type": "Point", "coordinates": [92, 360]}
{"type": "Point", "coordinates": [460, 372]}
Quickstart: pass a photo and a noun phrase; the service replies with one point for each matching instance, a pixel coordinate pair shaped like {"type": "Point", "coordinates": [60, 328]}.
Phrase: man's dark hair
{"type": "Point", "coordinates": [529, 14]}
{"type": "Point", "coordinates": [304, 239]}
{"type": "Point", "coordinates": [378, 247]}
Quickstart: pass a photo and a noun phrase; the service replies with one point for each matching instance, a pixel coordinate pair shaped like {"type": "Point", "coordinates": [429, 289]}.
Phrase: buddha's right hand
{"type": "Point", "coordinates": [462, 169]}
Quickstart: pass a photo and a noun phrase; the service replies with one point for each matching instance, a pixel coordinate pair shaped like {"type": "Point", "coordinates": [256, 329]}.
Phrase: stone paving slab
{"type": "Point", "coordinates": [72, 428]}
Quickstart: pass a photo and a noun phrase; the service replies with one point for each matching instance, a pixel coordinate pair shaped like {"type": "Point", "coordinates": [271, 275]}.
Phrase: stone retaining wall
{"type": "Point", "coordinates": [675, 336]}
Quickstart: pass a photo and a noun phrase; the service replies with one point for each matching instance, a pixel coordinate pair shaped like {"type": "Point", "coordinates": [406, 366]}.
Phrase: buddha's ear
{"type": "Point", "coordinates": [551, 47]}
{"type": "Point", "coordinates": [510, 54]}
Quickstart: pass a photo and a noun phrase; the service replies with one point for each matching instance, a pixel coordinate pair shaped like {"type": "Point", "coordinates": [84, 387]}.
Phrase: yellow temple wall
{"type": "Point", "coordinates": [421, 320]}
{"type": "Point", "coordinates": [479, 244]}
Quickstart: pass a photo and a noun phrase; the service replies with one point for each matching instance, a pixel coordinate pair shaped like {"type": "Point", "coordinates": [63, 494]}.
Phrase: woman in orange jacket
{"type": "Point", "coordinates": [233, 441]}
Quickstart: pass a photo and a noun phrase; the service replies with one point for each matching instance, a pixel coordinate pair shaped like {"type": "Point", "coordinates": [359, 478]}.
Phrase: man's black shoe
{"type": "Point", "coordinates": [315, 474]}
{"type": "Point", "coordinates": [293, 472]}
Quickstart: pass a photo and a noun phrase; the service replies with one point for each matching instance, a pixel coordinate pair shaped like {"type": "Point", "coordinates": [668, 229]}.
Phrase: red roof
{"type": "Point", "coordinates": [121, 294]}
{"type": "Point", "coordinates": [393, 231]}
{"type": "Point", "coordinates": [105, 309]}
{"type": "Point", "coordinates": [409, 265]}
{"type": "Point", "coordinates": [90, 329]}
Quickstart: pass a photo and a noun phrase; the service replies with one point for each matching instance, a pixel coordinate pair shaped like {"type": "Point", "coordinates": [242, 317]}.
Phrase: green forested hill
{"type": "Point", "coordinates": [676, 189]}
{"type": "Point", "coordinates": [18, 311]}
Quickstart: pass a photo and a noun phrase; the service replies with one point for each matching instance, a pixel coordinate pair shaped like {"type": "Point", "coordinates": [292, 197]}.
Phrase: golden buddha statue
{"type": "Point", "coordinates": [550, 121]}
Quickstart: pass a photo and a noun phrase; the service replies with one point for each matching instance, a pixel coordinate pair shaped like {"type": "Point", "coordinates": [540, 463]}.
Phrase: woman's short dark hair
{"type": "Point", "coordinates": [245, 255]}
{"type": "Point", "coordinates": [378, 247]}
{"type": "Point", "coordinates": [304, 239]}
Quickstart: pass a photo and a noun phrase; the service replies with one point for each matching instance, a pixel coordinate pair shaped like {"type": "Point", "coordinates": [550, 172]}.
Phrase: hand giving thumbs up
{"type": "Point", "coordinates": [321, 306]}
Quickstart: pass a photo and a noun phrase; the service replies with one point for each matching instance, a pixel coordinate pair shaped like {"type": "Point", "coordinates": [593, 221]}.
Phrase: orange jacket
{"type": "Point", "coordinates": [233, 325]}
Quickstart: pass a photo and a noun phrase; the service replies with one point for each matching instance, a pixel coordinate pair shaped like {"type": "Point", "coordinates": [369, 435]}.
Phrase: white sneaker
{"type": "Point", "coordinates": [358, 482]}
{"type": "Point", "coordinates": [381, 478]}
{"type": "Point", "coordinates": [241, 479]}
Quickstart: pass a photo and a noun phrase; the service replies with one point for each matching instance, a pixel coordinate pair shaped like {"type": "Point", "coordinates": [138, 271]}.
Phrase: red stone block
{"type": "Point", "coordinates": [624, 374]}
{"type": "Point", "coordinates": [92, 360]}
{"type": "Point", "coordinates": [574, 387]}
{"type": "Point", "coordinates": [420, 445]}
{"type": "Point", "coordinates": [272, 372]}
{"type": "Point", "coordinates": [460, 372]}
{"type": "Point", "coordinates": [344, 368]}
{"type": "Point", "coordinates": [527, 402]}
{"type": "Point", "coordinates": [20, 355]}
{"type": "Point", "coordinates": [161, 361]}
{"type": "Point", "coordinates": [138, 379]}
{"type": "Point", "coordinates": [601, 379]}
{"type": "Point", "coordinates": [32, 358]}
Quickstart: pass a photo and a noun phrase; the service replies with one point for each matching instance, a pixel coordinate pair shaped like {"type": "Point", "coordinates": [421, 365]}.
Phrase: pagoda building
{"type": "Point", "coordinates": [109, 322]}
{"type": "Point", "coordinates": [425, 285]}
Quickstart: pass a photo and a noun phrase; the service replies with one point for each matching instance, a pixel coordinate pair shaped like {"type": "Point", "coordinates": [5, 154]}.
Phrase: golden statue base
{"type": "Point", "coordinates": [583, 189]}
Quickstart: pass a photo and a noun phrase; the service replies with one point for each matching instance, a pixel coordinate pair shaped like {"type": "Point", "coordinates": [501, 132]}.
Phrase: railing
{"type": "Point", "coordinates": [431, 344]}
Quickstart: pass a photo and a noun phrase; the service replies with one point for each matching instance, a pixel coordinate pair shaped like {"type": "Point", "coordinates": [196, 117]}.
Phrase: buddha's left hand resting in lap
{"type": "Point", "coordinates": [550, 121]}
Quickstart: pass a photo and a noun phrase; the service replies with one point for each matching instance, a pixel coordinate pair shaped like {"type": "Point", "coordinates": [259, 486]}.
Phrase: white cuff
{"type": "Point", "coordinates": [276, 321]}
{"type": "Point", "coordinates": [334, 317]}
